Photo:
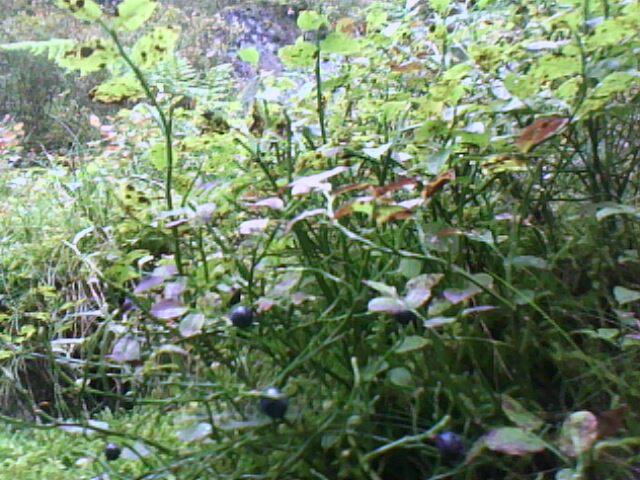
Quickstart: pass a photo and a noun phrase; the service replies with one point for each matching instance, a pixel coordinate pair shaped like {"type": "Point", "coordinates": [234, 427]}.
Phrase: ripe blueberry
{"type": "Point", "coordinates": [405, 317]}
{"type": "Point", "coordinates": [241, 316]}
{"type": "Point", "coordinates": [112, 452]}
{"type": "Point", "coordinates": [274, 403]}
{"type": "Point", "coordinates": [450, 445]}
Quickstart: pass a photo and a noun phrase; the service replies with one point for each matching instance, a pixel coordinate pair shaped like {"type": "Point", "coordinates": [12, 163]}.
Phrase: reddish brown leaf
{"type": "Point", "coordinates": [394, 187]}
{"type": "Point", "coordinates": [611, 421]}
{"type": "Point", "coordinates": [356, 187]}
{"type": "Point", "coordinates": [407, 67]}
{"type": "Point", "coordinates": [438, 183]}
{"type": "Point", "coordinates": [539, 131]}
{"type": "Point", "coordinates": [392, 213]}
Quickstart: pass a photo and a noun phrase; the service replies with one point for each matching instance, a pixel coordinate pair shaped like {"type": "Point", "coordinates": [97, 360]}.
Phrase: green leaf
{"type": "Point", "coordinates": [382, 288]}
{"type": "Point", "coordinates": [340, 43]}
{"type": "Point", "coordinates": [440, 6]}
{"type": "Point", "coordinates": [527, 261]}
{"type": "Point", "coordinates": [308, 20]}
{"type": "Point", "coordinates": [412, 343]}
{"type": "Point", "coordinates": [300, 54]}
{"type": "Point", "coordinates": [118, 90]}
{"type": "Point", "coordinates": [90, 56]}
{"type": "Point", "coordinates": [132, 14]}
{"type": "Point", "coordinates": [513, 441]}
{"type": "Point", "coordinates": [86, 10]}
{"type": "Point", "coordinates": [155, 47]}
{"type": "Point", "coordinates": [625, 295]}
{"type": "Point", "coordinates": [401, 377]}
{"type": "Point", "coordinates": [519, 415]}
{"type": "Point", "coordinates": [616, 210]}
{"type": "Point", "coordinates": [249, 55]}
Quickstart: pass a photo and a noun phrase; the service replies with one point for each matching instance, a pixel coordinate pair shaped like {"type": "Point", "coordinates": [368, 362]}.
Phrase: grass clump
{"type": "Point", "coordinates": [413, 254]}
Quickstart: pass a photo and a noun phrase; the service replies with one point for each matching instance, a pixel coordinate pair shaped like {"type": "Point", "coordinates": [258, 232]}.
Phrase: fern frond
{"type": "Point", "coordinates": [53, 48]}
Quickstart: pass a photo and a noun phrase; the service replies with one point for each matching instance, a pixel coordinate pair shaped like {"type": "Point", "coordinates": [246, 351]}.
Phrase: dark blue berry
{"type": "Point", "coordinates": [112, 452]}
{"type": "Point", "coordinates": [450, 445]}
{"type": "Point", "coordinates": [274, 403]}
{"type": "Point", "coordinates": [405, 317]}
{"type": "Point", "coordinates": [241, 316]}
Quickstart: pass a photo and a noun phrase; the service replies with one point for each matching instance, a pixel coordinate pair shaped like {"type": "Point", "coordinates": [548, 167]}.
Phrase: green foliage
{"type": "Point", "coordinates": [431, 224]}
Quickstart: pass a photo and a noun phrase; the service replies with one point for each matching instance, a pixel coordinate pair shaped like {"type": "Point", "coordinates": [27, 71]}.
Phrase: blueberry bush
{"type": "Point", "coordinates": [409, 252]}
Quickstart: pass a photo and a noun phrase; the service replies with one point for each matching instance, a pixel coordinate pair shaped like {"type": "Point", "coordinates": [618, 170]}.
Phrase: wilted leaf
{"type": "Point", "coordinates": [579, 433]}
{"type": "Point", "coordinates": [539, 131]}
{"type": "Point", "coordinates": [438, 183]}
{"type": "Point", "coordinates": [391, 213]}
{"type": "Point", "coordinates": [611, 422]}
{"type": "Point", "coordinates": [513, 441]}
{"type": "Point", "coordinates": [399, 184]}
{"type": "Point", "coordinates": [126, 349]}
{"type": "Point", "coordinates": [519, 415]}
{"type": "Point", "coordinates": [168, 308]}
{"type": "Point", "coordinates": [191, 325]}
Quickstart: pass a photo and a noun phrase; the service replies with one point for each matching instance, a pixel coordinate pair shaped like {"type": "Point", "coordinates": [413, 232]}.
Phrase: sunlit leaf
{"type": "Point", "coordinates": [300, 54]}
{"type": "Point", "coordinates": [250, 55]}
{"type": "Point", "coordinates": [308, 20]}
{"type": "Point", "coordinates": [83, 9]}
{"type": "Point", "coordinates": [132, 14]}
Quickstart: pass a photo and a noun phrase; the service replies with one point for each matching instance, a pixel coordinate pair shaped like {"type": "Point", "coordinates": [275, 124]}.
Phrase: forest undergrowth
{"type": "Point", "coordinates": [412, 253]}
